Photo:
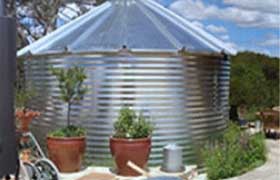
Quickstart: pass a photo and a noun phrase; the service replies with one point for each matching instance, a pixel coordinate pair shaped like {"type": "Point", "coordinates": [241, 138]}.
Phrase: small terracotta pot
{"type": "Point", "coordinates": [67, 153]}
{"type": "Point", "coordinates": [25, 117]}
{"type": "Point", "coordinates": [135, 150]}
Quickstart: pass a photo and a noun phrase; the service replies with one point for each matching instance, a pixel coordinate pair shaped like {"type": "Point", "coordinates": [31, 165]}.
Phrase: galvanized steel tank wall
{"type": "Point", "coordinates": [186, 97]}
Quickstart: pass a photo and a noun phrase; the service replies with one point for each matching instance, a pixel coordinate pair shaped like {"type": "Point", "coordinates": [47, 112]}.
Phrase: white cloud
{"type": "Point", "coordinates": [269, 6]}
{"type": "Point", "coordinates": [193, 9]}
{"type": "Point", "coordinates": [225, 37]}
{"type": "Point", "coordinates": [198, 24]}
{"type": "Point", "coordinates": [271, 40]}
{"type": "Point", "coordinates": [232, 45]}
{"type": "Point", "coordinates": [250, 17]}
{"type": "Point", "coordinates": [220, 31]}
{"type": "Point", "coordinates": [216, 29]}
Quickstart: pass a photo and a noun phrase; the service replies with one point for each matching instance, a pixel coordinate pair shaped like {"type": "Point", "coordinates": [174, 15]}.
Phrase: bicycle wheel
{"type": "Point", "coordinates": [31, 171]}
{"type": "Point", "coordinates": [47, 169]}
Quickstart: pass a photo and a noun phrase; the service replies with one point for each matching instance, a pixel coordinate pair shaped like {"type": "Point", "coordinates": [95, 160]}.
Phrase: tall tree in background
{"type": "Point", "coordinates": [254, 80]}
{"type": "Point", "coordinates": [37, 18]}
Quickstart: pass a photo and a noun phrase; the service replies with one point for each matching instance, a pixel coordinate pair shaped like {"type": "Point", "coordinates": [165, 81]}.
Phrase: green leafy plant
{"type": "Point", "coordinates": [72, 91]}
{"type": "Point", "coordinates": [232, 153]}
{"type": "Point", "coordinates": [23, 97]}
{"type": "Point", "coordinates": [250, 115]}
{"type": "Point", "coordinates": [69, 131]}
{"type": "Point", "coordinates": [131, 126]}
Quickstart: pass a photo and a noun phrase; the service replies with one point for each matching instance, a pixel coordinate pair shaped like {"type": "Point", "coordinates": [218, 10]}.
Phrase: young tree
{"type": "Point", "coordinates": [71, 86]}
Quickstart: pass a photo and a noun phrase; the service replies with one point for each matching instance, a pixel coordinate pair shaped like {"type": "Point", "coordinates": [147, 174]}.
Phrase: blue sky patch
{"type": "Point", "coordinates": [243, 24]}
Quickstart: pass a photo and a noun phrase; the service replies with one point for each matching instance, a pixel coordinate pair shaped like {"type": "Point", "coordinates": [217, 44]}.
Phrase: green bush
{"type": "Point", "coordinates": [23, 97]}
{"type": "Point", "coordinates": [70, 83]}
{"type": "Point", "coordinates": [250, 115]}
{"type": "Point", "coordinates": [129, 125]}
{"type": "Point", "coordinates": [232, 153]}
{"type": "Point", "coordinates": [254, 80]}
{"type": "Point", "coordinates": [69, 131]}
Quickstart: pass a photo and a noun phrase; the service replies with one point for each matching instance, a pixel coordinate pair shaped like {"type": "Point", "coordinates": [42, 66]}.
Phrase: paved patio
{"type": "Point", "coordinates": [269, 171]}
{"type": "Point", "coordinates": [104, 173]}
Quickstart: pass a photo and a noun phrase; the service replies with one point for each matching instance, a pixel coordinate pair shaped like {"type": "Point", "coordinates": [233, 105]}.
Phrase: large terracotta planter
{"type": "Point", "coordinates": [67, 153]}
{"type": "Point", "coordinates": [135, 150]}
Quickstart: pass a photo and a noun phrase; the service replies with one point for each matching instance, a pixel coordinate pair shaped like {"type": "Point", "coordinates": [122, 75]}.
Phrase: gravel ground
{"type": "Point", "coordinates": [270, 170]}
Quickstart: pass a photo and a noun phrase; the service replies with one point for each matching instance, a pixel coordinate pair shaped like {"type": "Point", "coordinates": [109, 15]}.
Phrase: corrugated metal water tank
{"type": "Point", "coordinates": [137, 54]}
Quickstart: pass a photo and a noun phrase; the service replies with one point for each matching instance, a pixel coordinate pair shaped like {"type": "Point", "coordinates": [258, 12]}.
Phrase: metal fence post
{"type": "Point", "coordinates": [8, 150]}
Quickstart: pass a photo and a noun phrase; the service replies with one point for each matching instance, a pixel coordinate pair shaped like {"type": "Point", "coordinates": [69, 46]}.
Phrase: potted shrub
{"type": "Point", "coordinates": [131, 141]}
{"type": "Point", "coordinates": [24, 115]}
{"type": "Point", "coordinates": [66, 146]}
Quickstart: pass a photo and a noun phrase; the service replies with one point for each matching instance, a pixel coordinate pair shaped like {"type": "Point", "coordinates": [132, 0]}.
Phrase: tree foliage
{"type": "Point", "coordinates": [23, 97]}
{"type": "Point", "coordinates": [254, 80]}
{"type": "Point", "coordinates": [37, 18]}
{"type": "Point", "coordinates": [71, 85]}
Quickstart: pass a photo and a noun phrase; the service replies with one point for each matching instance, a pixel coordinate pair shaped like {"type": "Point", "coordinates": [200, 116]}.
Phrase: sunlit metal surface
{"type": "Point", "coordinates": [185, 97]}
{"type": "Point", "coordinates": [138, 24]}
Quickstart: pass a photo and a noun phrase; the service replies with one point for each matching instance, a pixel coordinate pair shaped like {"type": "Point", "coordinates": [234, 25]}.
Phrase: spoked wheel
{"type": "Point", "coordinates": [29, 172]}
{"type": "Point", "coordinates": [47, 169]}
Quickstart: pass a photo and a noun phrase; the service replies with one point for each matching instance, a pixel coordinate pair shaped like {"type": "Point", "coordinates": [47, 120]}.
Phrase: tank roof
{"type": "Point", "coordinates": [136, 24]}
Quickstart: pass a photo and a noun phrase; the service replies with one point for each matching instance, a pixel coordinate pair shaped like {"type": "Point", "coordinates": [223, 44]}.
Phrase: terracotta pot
{"type": "Point", "coordinates": [67, 153]}
{"type": "Point", "coordinates": [135, 150]}
{"type": "Point", "coordinates": [25, 117]}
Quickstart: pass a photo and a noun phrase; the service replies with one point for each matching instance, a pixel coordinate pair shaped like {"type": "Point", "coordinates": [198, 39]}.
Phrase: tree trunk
{"type": "Point", "coordinates": [68, 115]}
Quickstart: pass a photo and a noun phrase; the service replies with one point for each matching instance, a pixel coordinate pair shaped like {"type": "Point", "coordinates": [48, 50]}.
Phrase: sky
{"type": "Point", "coordinates": [243, 24]}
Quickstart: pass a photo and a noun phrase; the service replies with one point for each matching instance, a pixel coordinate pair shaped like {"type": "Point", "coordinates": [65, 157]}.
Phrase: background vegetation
{"type": "Point", "coordinates": [37, 18]}
{"type": "Point", "coordinates": [254, 82]}
{"type": "Point", "coordinates": [232, 153]}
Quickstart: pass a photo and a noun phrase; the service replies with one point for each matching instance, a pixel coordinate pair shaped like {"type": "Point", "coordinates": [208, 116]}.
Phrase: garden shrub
{"type": "Point", "coordinates": [232, 153]}
{"type": "Point", "coordinates": [131, 126]}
